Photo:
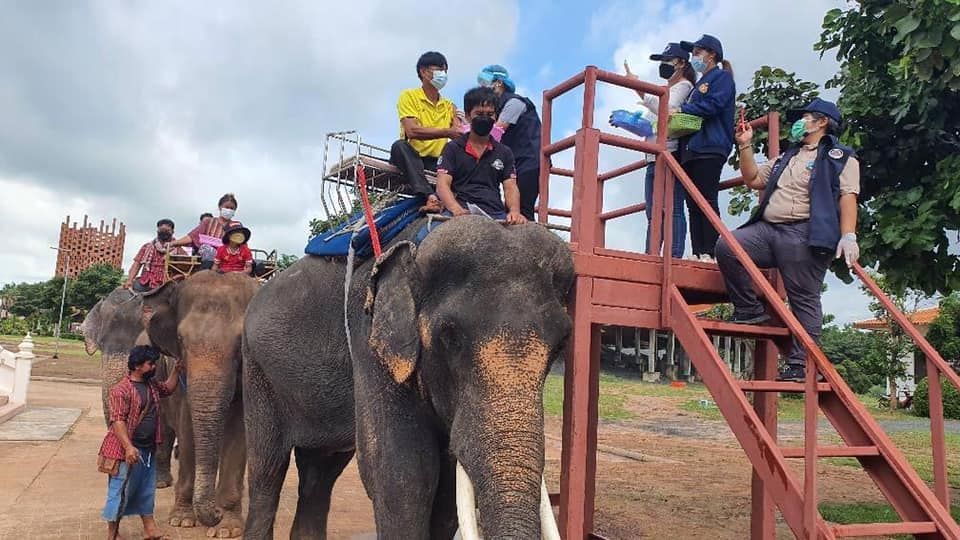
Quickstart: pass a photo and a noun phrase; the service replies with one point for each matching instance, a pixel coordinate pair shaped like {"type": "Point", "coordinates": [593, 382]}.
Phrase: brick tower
{"type": "Point", "coordinates": [89, 245]}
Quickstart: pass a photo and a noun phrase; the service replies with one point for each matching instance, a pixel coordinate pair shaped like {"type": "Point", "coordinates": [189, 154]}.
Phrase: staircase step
{"type": "Point", "coordinates": [779, 386]}
{"type": "Point", "coordinates": [884, 529]}
{"type": "Point", "coordinates": [833, 451]}
{"type": "Point", "coordinates": [714, 326]}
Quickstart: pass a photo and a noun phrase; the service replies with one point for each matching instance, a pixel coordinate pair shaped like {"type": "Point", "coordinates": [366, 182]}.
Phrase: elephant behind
{"type": "Point", "coordinates": [451, 343]}
{"type": "Point", "coordinates": [200, 320]}
{"type": "Point", "coordinates": [113, 326]}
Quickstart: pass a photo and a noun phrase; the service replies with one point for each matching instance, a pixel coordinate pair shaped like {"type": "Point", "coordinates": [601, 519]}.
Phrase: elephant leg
{"type": "Point", "coordinates": [399, 460]}
{"type": "Point", "coordinates": [164, 478]}
{"type": "Point", "coordinates": [269, 455]}
{"type": "Point", "coordinates": [443, 520]}
{"type": "Point", "coordinates": [233, 465]}
{"type": "Point", "coordinates": [318, 472]}
{"type": "Point", "coordinates": [183, 514]}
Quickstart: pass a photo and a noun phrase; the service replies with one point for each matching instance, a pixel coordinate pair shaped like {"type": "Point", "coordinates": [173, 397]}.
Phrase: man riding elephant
{"type": "Point", "coordinates": [438, 378]}
{"type": "Point", "coordinates": [199, 320]}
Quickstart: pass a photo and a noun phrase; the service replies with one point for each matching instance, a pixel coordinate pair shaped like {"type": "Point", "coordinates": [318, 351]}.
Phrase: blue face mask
{"type": "Point", "coordinates": [698, 64]}
{"type": "Point", "coordinates": [439, 79]}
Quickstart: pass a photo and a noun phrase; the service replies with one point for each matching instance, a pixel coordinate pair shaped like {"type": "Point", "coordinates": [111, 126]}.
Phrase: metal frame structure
{"type": "Point", "coordinates": [650, 290]}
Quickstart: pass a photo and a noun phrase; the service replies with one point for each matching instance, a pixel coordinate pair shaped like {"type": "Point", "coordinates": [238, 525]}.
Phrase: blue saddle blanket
{"type": "Point", "coordinates": [390, 221]}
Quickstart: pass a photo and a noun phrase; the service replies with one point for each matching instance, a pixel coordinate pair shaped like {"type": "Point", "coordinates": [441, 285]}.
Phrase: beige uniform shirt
{"type": "Point", "coordinates": [791, 200]}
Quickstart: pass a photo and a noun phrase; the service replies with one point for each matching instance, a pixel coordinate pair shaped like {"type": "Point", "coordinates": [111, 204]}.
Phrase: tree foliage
{"type": "Point", "coordinates": [944, 332]}
{"type": "Point", "coordinates": [855, 355]}
{"type": "Point", "coordinates": [899, 83]}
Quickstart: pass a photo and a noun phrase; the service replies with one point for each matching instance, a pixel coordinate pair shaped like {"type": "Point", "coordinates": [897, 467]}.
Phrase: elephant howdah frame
{"type": "Point", "coordinates": [183, 266]}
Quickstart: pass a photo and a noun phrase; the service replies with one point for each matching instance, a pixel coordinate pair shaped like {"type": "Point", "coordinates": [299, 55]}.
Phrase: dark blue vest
{"type": "Point", "coordinates": [824, 191]}
{"type": "Point", "coordinates": [523, 138]}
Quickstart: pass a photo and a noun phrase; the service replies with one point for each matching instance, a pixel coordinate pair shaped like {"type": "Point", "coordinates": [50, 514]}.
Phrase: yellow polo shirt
{"type": "Point", "coordinates": [413, 103]}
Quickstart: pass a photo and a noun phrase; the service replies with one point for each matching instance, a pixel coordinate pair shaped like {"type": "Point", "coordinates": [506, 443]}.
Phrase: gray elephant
{"type": "Point", "coordinates": [200, 320]}
{"type": "Point", "coordinates": [451, 343]}
{"type": "Point", "coordinates": [113, 326]}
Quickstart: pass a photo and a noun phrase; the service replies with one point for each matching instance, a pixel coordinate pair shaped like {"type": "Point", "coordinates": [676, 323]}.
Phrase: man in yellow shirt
{"type": "Point", "coordinates": [427, 122]}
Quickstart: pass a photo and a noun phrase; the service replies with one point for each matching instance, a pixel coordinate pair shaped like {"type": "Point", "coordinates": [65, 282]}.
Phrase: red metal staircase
{"type": "Point", "coordinates": [652, 291]}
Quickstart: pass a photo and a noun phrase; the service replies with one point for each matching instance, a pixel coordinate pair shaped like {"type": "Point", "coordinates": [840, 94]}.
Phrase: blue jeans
{"type": "Point", "coordinates": [131, 492]}
{"type": "Point", "coordinates": [679, 219]}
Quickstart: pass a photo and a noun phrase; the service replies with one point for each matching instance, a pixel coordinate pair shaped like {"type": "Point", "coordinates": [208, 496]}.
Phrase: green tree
{"type": "Point", "coordinates": [944, 332]}
{"type": "Point", "coordinates": [91, 285]}
{"type": "Point", "coordinates": [855, 356]}
{"type": "Point", "coordinates": [285, 261]}
{"type": "Point", "coordinates": [899, 83]}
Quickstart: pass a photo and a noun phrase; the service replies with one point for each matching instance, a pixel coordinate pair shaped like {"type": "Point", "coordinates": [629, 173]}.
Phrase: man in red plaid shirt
{"type": "Point", "coordinates": [135, 431]}
{"type": "Point", "coordinates": [152, 258]}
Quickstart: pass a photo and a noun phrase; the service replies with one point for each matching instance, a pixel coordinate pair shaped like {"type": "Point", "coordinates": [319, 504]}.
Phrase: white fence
{"type": "Point", "coordinates": [15, 371]}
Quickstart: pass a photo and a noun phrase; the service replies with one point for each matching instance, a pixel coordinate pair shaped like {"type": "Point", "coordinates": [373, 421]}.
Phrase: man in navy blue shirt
{"type": "Point", "coordinates": [472, 167]}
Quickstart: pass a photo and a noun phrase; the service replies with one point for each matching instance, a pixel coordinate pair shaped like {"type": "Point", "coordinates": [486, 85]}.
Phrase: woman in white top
{"type": "Point", "coordinates": [675, 68]}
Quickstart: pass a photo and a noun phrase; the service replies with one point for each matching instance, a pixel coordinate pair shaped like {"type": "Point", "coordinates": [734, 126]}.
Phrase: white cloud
{"type": "Point", "coordinates": [149, 110]}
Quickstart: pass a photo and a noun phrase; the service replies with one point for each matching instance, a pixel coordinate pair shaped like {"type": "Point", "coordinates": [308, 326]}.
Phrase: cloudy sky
{"type": "Point", "coordinates": [143, 110]}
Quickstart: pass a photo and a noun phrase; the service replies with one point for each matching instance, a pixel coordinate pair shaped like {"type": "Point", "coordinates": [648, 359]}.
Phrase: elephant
{"type": "Point", "coordinates": [113, 326]}
{"type": "Point", "coordinates": [200, 320]}
{"type": "Point", "coordinates": [434, 378]}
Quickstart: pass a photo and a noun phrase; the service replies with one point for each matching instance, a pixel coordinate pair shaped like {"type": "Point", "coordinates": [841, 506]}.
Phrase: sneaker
{"type": "Point", "coordinates": [750, 319]}
{"type": "Point", "coordinates": [692, 258]}
{"type": "Point", "coordinates": [792, 373]}
{"type": "Point", "coordinates": [707, 259]}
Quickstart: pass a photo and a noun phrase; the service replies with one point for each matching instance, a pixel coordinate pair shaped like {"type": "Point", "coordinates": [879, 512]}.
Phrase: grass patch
{"type": "Point", "coordinates": [916, 446]}
{"type": "Point", "coordinates": [848, 513]}
{"type": "Point", "coordinates": [612, 397]}
{"type": "Point", "coordinates": [45, 345]}
{"type": "Point", "coordinates": [792, 409]}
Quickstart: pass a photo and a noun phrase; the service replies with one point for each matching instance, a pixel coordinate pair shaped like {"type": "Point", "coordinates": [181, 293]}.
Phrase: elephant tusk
{"type": "Point", "coordinates": [548, 523]}
{"type": "Point", "coordinates": [466, 506]}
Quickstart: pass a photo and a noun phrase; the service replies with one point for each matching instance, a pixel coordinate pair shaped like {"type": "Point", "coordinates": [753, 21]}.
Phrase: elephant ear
{"type": "Point", "coordinates": [391, 300]}
{"type": "Point", "coordinates": [160, 318]}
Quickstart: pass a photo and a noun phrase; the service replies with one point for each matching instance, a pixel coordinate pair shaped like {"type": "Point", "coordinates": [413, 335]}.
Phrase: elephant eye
{"type": "Point", "coordinates": [451, 337]}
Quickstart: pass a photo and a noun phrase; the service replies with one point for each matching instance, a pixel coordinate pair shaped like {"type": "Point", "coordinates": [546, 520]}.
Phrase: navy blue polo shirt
{"type": "Point", "coordinates": [477, 179]}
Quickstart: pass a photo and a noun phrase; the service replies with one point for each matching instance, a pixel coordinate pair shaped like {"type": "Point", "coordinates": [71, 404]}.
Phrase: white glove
{"type": "Point", "coordinates": [847, 246]}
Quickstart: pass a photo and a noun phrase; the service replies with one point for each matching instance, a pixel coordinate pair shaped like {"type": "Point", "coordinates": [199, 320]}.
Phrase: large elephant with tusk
{"type": "Point", "coordinates": [441, 397]}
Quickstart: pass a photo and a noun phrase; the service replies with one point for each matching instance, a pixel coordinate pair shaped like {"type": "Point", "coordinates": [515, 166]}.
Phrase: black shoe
{"type": "Point", "coordinates": [750, 319]}
{"type": "Point", "coordinates": [792, 373]}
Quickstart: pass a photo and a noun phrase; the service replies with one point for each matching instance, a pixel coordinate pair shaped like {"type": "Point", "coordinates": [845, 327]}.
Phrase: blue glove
{"type": "Point", "coordinates": [632, 122]}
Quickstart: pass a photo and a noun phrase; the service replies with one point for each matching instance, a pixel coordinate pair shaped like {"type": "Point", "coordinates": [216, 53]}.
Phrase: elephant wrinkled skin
{"type": "Point", "coordinates": [200, 320]}
{"type": "Point", "coordinates": [451, 344]}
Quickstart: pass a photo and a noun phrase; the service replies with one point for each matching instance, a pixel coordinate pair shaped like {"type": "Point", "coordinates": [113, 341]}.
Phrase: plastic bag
{"type": "Point", "coordinates": [634, 122]}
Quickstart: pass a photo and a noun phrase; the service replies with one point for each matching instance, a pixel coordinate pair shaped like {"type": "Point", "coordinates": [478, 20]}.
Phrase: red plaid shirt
{"type": "Point", "coordinates": [124, 402]}
{"type": "Point", "coordinates": [154, 272]}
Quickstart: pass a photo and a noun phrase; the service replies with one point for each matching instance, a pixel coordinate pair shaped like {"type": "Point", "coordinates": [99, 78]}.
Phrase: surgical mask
{"type": "Point", "coordinates": [439, 79]}
{"type": "Point", "coordinates": [164, 236]}
{"type": "Point", "coordinates": [227, 213]}
{"type": "Point", "coordinates": [667, 70]}
{"type": "Point", "coordinates": [237, 238]}
{"type": "Point", "coordinates": [798, 130]}
{"type": "Point", "coordinates": [481, 125]}
{"type": "Point", "coordinates": [699, 64]}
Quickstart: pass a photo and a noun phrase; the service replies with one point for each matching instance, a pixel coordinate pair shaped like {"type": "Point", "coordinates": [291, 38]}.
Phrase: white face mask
{"type": "Point", "coordinates": [227, 213]}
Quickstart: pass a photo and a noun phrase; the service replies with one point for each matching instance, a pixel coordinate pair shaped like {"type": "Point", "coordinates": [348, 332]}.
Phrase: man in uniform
{"type": "Point", "coordinates": [807, 215]}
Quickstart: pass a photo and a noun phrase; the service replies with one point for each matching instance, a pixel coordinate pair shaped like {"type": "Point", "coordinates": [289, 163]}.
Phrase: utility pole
{"type": "Point", "coordinates": [63, 298]}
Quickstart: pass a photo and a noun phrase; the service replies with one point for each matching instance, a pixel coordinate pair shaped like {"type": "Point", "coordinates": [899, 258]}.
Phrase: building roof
{"type": "Point", "coordinates": [921, 317]}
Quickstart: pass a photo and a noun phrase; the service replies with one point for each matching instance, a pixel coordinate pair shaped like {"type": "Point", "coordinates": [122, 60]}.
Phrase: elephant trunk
{"type": "Point", "coordinates": [113, 368]}
{"type": "Point", "coordinates": [210, 396]}
{"type": "Point", "coordinates": [502, 461]}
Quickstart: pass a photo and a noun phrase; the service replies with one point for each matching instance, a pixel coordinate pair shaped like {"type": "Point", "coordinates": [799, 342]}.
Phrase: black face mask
{"type": "Point", "coordinates": [164, 236]}
{"type": "Point", "coordinates": [149, 375]}
{"type": "Point", "coordinates": [667, 71]}
{"type": "Point", "coordinates": [482, 125]}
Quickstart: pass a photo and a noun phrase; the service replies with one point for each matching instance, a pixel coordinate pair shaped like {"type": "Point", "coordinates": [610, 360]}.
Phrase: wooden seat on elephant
{"type": "Point", "coordinates": [264, 264]}
{"type": "Point", "coordinates": [181, 266]}
{"type": "Point", "coordinates": [380, 174]}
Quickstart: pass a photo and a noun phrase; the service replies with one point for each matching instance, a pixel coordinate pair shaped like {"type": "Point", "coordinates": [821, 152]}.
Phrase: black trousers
{"type": "Point", "coordinates": [705, 173]}
{"type": "Point", "coordinates": [412, 165]}
{"type": "Point", "coordinates": [783, 246]}
{"type": "Point", "coordinates": [529, 184]}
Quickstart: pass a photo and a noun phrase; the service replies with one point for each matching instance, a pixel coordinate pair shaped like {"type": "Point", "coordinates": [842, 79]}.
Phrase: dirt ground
{"type": "Point", "coordinates": [697, 485]}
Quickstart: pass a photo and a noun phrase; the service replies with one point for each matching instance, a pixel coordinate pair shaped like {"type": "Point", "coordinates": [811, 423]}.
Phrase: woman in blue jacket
{"type": "Point", "coordinates": [704, 153]}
